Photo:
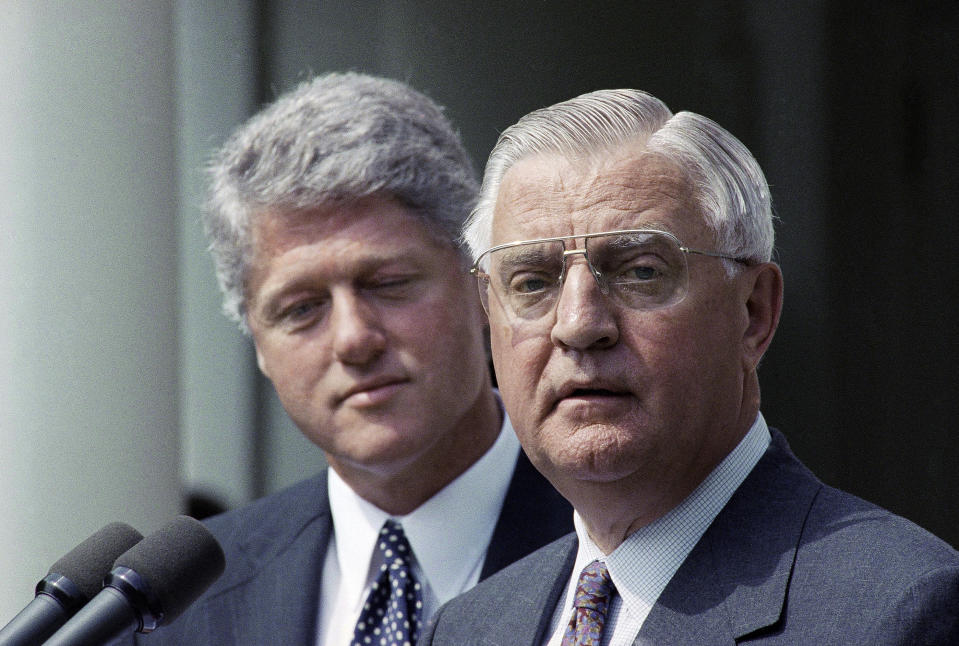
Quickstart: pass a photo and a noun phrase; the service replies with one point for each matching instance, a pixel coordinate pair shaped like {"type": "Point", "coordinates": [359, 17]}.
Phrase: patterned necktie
{"type": "Point", "coordinates": [593, 594]}
{"type": "Point", "coordinates": [391, 614]}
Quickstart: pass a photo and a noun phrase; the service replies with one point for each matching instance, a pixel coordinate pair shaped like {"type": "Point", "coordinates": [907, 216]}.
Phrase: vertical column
{"type": "Point", "coordinates": [216, 89]}
{"type": "Point", "coordinates": [88, 346]}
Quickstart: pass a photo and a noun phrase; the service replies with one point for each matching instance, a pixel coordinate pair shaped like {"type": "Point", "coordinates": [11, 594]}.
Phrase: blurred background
{"type": "Point", "coordinates": [126, 395]}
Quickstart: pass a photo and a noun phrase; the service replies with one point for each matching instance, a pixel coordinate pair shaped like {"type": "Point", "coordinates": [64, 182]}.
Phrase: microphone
{"type": "Point", "coordinates": [150, 585]}
{"type": "Point", "coordinates": [71, 582]}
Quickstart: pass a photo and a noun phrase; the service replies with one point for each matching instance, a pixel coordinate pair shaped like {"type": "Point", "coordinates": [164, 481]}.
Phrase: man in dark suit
{"type": "Point", "coordinates": [334, 220]}
{"type": "Point", "coordinates": [623, 257]}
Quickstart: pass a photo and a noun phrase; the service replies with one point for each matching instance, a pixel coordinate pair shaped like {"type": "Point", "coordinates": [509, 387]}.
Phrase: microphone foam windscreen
{"type": "Point", "coordinates": [88, 563]}
{"type": "Point", "coordinates": [178, 561]}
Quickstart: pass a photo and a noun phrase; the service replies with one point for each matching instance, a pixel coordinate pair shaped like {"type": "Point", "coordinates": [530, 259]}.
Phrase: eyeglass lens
{"type": "Point", "coordinates": [638, 270]}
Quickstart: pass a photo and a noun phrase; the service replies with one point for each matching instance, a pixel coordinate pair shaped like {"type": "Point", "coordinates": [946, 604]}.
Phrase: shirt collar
{"type": "Point", "coordinates": [644, 563]}
{"type": "Point", "coordinates": [449, 533]}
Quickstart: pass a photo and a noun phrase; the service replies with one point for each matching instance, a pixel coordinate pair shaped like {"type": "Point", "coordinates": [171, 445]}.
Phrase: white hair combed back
{"type": "Point", "coordinates": [729, 185]}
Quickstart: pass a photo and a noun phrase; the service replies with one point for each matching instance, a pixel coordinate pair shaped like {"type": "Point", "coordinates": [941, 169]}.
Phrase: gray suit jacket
{"type": "Point", "coordinates": [275, 549]}
{"type": "Point", "coordinates": [787, 561]}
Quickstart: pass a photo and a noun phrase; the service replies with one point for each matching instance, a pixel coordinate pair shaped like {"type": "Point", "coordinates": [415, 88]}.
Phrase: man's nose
{"type": "Point", "coordinates": [584, 318]}
{"type": "Point", "coordinates": [358, 334]}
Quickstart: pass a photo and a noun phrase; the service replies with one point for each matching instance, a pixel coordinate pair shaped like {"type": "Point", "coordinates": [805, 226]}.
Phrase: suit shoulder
{"type": "Point", "coordinates": [883, 578]}
{"type": "Point", "coordinates": [840, 527]}
{"type": "Point", "coordinates": [254, 538]}
{"type": "Point", "coordinates": [273, 515]}
{"type": "Point", "coordinates": [847, 530]}
{"type": "Point", "coordinates": [256, 534]}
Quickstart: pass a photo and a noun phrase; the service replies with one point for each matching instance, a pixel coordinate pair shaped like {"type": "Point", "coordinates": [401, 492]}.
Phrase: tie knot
{"type": "Point", "coordinates": [393, 546]}
{"type": "Point", "coordinates": [595, 588]}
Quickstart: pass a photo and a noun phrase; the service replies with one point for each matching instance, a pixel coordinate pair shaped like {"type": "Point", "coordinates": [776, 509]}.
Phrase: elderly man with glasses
{"type": "Point", "coordinates": [623, 256]}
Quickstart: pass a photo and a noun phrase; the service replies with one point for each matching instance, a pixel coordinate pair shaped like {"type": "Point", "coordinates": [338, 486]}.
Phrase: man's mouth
{"type": "Point", "coordinates": [593, 392]}
{"type": "Point", "coordinates": [373, 392]}
{"type": "Point", "coordinates": [583, 393]}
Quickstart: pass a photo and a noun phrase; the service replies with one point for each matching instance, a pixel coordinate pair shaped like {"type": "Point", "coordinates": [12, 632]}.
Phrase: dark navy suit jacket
{"type": "Point", "coordinates": [275, 549]}
{"type": "Point", "coordinates": [787, 561]}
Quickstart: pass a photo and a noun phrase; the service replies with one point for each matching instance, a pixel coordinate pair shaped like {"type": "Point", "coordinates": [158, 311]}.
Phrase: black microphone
{"type": "Point", "coordinates": [71, 582]}
{"type": "Point", "coordinates": [150, 585]}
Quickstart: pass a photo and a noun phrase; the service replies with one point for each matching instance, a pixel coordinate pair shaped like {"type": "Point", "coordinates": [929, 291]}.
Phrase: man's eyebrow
{"type": "Point", "coordinates": [627, 240]}
{"type": "Point", "coordinates": [526, 255]}
{"type": "Point", "coordinates": [392, 260]}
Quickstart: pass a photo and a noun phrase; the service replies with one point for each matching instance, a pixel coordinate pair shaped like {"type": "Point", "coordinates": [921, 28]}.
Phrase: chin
{"type": "Point", "coordinates": [384, 461]}
{"type": "Point", "coordinates": [594, 455]}
{"type": "Point", "coordinates": [375, 443]}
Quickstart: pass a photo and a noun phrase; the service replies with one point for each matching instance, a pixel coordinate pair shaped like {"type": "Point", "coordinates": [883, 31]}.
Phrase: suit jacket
{"type": "Point", "coordinates": [787, 561]}
{"type": "Point", "coordinates": [275, 550]}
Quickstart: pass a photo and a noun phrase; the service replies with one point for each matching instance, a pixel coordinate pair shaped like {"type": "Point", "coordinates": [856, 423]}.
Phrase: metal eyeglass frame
{"type": "Point", "coordinates": [600, 279]}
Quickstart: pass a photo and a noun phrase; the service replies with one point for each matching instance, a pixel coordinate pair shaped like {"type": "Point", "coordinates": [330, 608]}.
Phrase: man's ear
{"type": "Point", "coordinates": [260, 361]}
{"type": "Point", "coordinates": [764, 300]}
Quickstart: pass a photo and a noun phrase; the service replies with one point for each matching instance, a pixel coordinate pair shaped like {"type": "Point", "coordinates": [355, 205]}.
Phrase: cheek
{"type": "Point", "coordinates": [690, 355]}
{"type": "Point", "coordinates": [519, 364]}
{"type": "Point", "coordinates": [295, 365]}
{"type": "Point", "coordinates": [664, 351]}
{"type": "Point", "coordinates": [508, 356]}
{"type": "Point", "coordinates": [296, 380]}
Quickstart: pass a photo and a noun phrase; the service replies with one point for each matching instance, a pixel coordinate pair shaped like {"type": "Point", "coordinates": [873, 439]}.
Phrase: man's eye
{"type": "Point", "coordinates": [529, 284]}
{"type": "Point", "coordinates": [391, 287]}
{"type": "Point", "coordinates": [301, 312]}
{"type": "Point", "coordinates": [392, 283]}
{"type": "Point", "coordinates": [638, 273]}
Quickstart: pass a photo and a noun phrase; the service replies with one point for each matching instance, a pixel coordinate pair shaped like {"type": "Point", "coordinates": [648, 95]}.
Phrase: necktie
{"type": "Point", "coordinates": [593, 594]}
{"type": "Point", "coordinates": [391, 614]}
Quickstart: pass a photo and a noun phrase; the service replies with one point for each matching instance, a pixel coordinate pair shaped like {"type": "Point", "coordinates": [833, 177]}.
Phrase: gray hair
{"type": "Point", "coordinates": [729, 185]}
{"type": "Point", "coordinates": [338, 137]}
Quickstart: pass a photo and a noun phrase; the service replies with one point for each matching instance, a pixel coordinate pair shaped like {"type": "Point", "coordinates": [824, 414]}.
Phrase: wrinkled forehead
{"type": "Point", "coordinates": [551, 194]}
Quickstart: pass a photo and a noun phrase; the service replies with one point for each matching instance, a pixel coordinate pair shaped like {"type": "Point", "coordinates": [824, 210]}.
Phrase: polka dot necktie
{"type": "Point", "coordinates": [594, 591]}
{"type": "Point", "coordinates": [391, 614]}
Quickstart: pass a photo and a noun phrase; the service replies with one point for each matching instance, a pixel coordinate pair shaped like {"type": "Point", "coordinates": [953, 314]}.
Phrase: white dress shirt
{"type": "Point", "coordinates": [449, 534]}
{"type": "Point", "coordinates": [644, 563]}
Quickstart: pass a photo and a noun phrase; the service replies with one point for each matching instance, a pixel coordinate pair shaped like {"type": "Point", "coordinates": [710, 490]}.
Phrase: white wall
{"type": "Point", "coordinates": [88, 346]}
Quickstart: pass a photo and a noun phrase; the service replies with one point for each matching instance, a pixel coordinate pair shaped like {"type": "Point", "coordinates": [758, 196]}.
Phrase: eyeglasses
{"type": "Point", "coordinates": [642, 269]}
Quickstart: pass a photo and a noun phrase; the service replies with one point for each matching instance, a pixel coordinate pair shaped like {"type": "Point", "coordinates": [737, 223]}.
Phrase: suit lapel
{"type": "Point", "coordinates": [523, 593]}
{"type": "Point", "coordinates": [273, 593]}
{"type": "Point", "coordinates": [735, 580]}
{"type": "Point", "coordinates": [541, 599]}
